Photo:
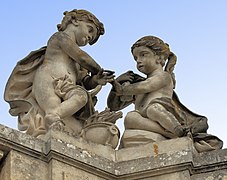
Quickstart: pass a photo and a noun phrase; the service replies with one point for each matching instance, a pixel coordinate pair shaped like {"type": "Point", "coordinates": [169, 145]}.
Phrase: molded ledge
{"type": "Point", "coordinates": [65, 157]}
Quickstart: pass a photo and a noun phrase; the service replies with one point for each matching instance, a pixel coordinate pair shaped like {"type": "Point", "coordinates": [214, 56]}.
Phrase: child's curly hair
{"type": "Point", "coordinates": [81, 15]}
{"type": "Point", "coordinates": [159, 47]}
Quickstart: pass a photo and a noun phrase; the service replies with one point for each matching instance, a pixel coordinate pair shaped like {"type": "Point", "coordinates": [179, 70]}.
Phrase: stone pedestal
{"type": "Point", "coordinates": [59, 156]}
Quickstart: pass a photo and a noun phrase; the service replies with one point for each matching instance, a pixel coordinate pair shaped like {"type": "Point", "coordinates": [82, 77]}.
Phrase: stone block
{"type": "Point", "coordinates": [180, 147]}
{"type": "Point", "coordinates": [215, 175]}
{"type": "Point", "coordinates": [133, 138]}
{"type": "Point", "coordinates": [55, 139]}
{"type": "Point", "coordinates": [183, 175]}
{"type": "Point", "coordinates": [63, 171]}
{"type": "Point", "coordinates": [20, 166]}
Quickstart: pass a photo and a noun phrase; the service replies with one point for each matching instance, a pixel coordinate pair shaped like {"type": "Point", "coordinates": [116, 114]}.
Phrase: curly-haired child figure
{"type": "Point", "coordinates": [63, 60]}
{"type": "Point", "coordinates": [54, 79]}
{"type": "Point", "coordinates": [151, 94]}
{"type": "Point", "coordinates": [157, 108]}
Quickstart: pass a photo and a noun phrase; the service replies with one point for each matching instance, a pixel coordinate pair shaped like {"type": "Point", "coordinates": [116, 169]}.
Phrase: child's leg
{"type": "Point", "coordinates": [158, 113]}
{"type": "Point", "coordinates": [55, 109]}
{"type": "Point", "coordinates": [134, 120]}
{"type": "Point", "coordinates": [74, 102]}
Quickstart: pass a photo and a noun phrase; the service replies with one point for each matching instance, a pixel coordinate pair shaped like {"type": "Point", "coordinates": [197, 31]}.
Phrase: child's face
{"type": "Point", "coordinates": [85, 33]}
{"type": "Point", "coordinates": [146, 59]}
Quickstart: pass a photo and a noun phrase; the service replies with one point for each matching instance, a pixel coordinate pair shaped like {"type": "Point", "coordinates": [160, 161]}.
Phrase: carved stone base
{"type": "Point", "coordinates": [133, 138]}
{"type": "Point", "coordinates": [59, 156]}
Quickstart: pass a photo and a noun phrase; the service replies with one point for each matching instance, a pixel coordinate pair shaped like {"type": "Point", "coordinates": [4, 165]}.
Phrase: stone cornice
{"type": "Point", "coordinates": [149, 160]}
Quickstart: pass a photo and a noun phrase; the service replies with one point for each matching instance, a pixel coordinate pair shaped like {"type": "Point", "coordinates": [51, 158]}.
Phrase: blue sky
{"type": "Point", "coordinates": [195, 30]}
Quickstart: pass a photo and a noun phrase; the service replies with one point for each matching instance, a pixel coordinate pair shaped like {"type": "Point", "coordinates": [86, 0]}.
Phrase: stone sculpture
{"type": "Point", "coordinates": [56, 86]}
{"type": "Point", "coordinates": [50, 87]}
{"type": "Point", "coordinates": [158, 113]}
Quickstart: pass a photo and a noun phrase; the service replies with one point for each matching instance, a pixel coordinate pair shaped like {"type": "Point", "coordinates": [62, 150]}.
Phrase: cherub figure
{"type": "Point", "coordinates": [50, 85]}
{"type": "Point", "coordinates": [157, 108]}
{"type": "Point", "coordinates": [150, 54]}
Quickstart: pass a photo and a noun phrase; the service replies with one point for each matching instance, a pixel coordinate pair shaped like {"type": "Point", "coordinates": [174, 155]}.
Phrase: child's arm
{"type": "Point", "coordinates": [103, 77]}
{"type": "Point", "coordinates": [115, 103]}
{"type": "Point", "coordinates": [78, 55]}
{"type": "Point", "coordinates": [150, 84]}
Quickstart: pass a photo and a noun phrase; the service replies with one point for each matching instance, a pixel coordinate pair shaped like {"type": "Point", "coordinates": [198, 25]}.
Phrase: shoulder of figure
{"type": "Point", "coordinates": [60, 35]}
{"type": "Point", "coordinates": [55, 37]}
{"type": "Point", "coordinates": [163, 75]}
{"type": "Point", "coordinates": [166, 75]}
{"type": "Point", "coordinates": [61, 38]}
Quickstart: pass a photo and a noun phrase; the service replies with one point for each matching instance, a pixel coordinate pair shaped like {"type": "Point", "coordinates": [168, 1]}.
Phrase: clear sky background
{"type": "Point", "coordinates": [195, 30]}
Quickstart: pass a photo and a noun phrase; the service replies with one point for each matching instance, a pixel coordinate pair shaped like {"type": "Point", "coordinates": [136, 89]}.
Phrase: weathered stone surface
{"type": "Point", "coordinates": [215, 175]}
{"type": "Point", "coordinates": [62, 171]}
{"type": "Point", "coordinates": [61, 156]}
{"type": "Point", "coordinates": [20, 166]}
{"type": "Point", "coordinates": [133, 138]}
{"type": "Point", "coordinates": [181, 146]}
{"type": "Point", "coordinates": [61, 142]}
{"type": "Point", "coordinates": [184, 175]}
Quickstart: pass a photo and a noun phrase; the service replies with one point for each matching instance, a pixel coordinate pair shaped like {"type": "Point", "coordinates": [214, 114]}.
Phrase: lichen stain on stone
{"type": "Point", "coordinates": [155, 147]}
{"type": "Point", "coordinates": [70, 146]}
{"type": "Point", "coordinates": [117, 172]}
{"type": "Point", "coordinates": [209, 178]}
{"type": "Point", "coordinates": [181, 153]}
{"type": "Point", "coordinates": [59, 140]}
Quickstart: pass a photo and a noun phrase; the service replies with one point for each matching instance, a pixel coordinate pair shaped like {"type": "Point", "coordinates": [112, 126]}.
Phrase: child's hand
{"type": "Point", "coordinates": [104, 76]}
{"type": "Point", "coordinates": [126, 77]}
{"type": "Point", "coordinates": [118, 88]}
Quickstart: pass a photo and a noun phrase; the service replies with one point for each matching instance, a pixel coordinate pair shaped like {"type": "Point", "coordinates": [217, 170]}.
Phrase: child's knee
{"type": "Point", "coordinates": [82, 99]}
{"type": "Point", "coordinates": [80, 96]}
{"type": "Point", "coordinates": [130, 118]}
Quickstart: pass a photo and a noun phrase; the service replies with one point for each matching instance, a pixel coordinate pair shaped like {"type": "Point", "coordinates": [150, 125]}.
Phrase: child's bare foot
{"type": "Point", "coordinates": [54, 121]}
{"type": "Point", "coordinates": [57, 125]}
